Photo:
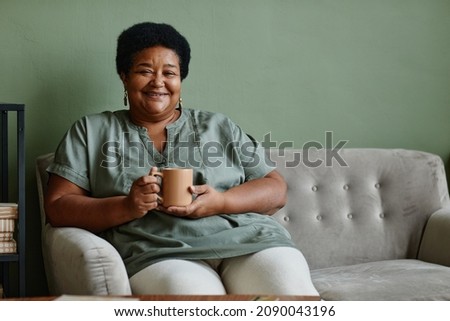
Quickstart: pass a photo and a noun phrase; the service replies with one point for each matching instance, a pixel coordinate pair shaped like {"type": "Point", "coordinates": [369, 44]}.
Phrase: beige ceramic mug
{"type": "Point", "coordinates": [175, 184]}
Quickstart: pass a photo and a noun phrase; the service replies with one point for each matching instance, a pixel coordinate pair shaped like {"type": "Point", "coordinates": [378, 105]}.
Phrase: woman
{"type": "Point", "coordinates": [101, 180]}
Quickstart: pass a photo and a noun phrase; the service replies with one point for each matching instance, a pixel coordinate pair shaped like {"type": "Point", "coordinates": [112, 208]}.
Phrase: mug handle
{"type": "Point", "coordinates": [160, 199]}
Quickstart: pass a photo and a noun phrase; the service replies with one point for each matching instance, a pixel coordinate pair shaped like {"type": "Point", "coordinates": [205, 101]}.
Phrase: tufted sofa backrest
{"type": "Point", "coordinates": [359, 205]}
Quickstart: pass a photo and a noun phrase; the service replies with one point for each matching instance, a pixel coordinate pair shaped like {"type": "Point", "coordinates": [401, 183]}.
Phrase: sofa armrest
{"type": "Point", "coordinates": [435, 245]}
{"type": "Point", "coordinates": [79, 262]}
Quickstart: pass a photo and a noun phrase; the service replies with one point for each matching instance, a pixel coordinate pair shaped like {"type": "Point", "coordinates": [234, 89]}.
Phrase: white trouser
{"type": "Point", "coordinates": [279, 270]}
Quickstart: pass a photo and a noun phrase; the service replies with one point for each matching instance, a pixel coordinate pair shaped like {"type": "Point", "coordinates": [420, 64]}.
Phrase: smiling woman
{"type": "Point", "coordinates": [224, 241]}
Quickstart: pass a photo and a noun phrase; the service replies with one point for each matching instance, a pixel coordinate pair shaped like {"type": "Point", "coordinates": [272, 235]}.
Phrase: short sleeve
{"type": "Point", "coordinates": [71, 159]}
{"type": "Point", "coordinates": [252, 155]}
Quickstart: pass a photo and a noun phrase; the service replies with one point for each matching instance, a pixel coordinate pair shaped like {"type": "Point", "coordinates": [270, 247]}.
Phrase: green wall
{"type": "Point", "coordinates": [374, 72]}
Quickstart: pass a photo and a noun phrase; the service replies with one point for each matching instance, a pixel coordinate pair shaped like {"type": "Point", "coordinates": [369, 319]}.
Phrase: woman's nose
{"type": "Point", "coordinates": [157, 81]}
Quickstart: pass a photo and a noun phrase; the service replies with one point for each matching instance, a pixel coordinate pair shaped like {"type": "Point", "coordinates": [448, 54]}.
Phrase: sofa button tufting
{"type": "Point", "coordinates": [286, 218]}
{"type": "Point", "coordinates": [381, 215]}
{"type": "Point", "coordinates": [319, 217]}
{"type": "Point", "coordinates": [346, 187]}
{"type": "Point", "coordinates": [349, 216]}
{"type": "Point", "coordinates": [377, 185]}
{"type": "Point", "coordinates": [314, 188]}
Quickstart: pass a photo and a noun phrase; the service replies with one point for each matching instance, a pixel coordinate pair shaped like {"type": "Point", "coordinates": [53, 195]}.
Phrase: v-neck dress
{"type": "Point", "coordinates": [105, 153]}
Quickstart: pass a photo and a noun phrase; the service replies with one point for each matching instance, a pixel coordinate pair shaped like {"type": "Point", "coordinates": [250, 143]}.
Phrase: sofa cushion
{"type": "Point", "coordinates": [373, 207]}
{"type": "Point", "coordinates": [391, 280]}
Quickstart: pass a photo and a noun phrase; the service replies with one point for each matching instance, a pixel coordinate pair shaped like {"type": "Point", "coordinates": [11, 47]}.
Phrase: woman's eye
{"type": "Point", "coordinates": [145, 72]}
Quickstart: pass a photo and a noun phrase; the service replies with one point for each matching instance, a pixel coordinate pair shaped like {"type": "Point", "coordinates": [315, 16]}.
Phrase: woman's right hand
{"type": "Point", "coordinates": [143, 196]}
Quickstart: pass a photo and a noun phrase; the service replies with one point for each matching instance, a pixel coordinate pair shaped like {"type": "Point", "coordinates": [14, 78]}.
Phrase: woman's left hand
{"type": "Point", "coordinates": [265, 195]}
{"type": "Point", "coordinates": [208, 202]}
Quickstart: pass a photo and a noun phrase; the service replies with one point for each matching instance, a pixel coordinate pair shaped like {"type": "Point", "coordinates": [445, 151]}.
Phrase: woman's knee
{"type": "Point", "coordinates": [280, 270]}
{"type": "Point", "coordinates": [177, 277]}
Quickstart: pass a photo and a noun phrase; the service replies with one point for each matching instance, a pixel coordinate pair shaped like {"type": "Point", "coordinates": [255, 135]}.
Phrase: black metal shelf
{"type": "Point", "coordinates": [18, 257]}
{"type": "Point", "coordinates": [9, 257]}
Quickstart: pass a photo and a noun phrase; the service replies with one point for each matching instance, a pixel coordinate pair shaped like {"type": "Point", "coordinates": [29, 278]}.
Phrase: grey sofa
{"type": "Point", "coordinates": [373, 224]}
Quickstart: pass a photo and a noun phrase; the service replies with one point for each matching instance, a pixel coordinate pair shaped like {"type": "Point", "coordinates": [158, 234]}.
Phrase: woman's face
{"type": "Point", "coordinates": [153, 84]}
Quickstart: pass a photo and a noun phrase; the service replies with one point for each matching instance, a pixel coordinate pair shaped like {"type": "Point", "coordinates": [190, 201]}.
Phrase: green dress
{"type": "Point", "coordinates": [105, 153]}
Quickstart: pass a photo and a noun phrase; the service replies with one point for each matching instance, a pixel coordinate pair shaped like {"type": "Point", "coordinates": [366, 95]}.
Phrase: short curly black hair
{"type": "Point", "coordinates": [146, 35]}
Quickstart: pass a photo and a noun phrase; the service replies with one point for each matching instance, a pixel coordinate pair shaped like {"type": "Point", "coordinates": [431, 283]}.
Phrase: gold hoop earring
{"type": "Point", "coordinates": [125, 97]}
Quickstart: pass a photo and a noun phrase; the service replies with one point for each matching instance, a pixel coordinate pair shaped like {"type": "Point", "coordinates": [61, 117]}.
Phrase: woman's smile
{"type": "Point", "coordinates": [156, 95]}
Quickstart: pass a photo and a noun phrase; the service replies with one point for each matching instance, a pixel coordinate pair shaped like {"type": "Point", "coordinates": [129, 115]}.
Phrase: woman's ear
{"type": "Point", "coordinates": [123, 77]}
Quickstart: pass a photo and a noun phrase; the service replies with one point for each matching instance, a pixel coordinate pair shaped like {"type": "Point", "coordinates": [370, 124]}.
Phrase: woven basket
{"type": "Point", "coordinates": [8, 247]}
{"type": "Point", "coordinates": [6, 236]}
{"type": "Point", "coordinates": [8, 217]}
